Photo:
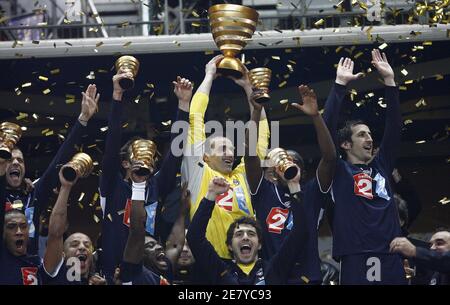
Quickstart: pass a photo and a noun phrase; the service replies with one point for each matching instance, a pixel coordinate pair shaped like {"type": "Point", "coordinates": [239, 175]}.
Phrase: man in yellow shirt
{"type": "Point", "coordinates": [204, 160]}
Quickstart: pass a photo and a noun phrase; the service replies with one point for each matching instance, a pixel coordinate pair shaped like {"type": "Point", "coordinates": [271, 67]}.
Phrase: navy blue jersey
{"type": "Point", "coordinates": [274, 271]}
{"type": "Point", "coordinates": [365, 214]}
{"type": "Point", "coordinates": [272, 207]}
{"type": "Point", "coordinates": [116, 193]}
{"type": "Point", "coordinates": [138, 274]}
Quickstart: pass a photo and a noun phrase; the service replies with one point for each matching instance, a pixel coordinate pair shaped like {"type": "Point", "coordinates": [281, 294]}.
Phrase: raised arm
{"type": "Point", "coordinates": [166, 176]}
{"type": "Point", "coordinates": [57, 226]}
{"type": "Point", "coordinates": [283, 261]}
{"type": "Point", "coordinates": [333, 104]}
{"type": "Point", "coordinates": [134, 249]}
{"type": "Point", "coordinates": [200, 103]}
{"type": "Point", "coordinates": [49, 180]}
{"type": "Point", "coordinates": [393, 125]}
{"type": "Point", "coordinates": [111, 159]}
{"type": "Point", "coordinates": [253, 169]}
{"type": "Point", "coordinates": [325, 170]}
{"type": "Point", "coordinates": [205, 255]}
{"type": "Point", "coordinates": [175, 241]}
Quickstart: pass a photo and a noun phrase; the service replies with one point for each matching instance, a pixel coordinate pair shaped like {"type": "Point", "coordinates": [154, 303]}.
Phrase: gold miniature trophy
{"type": "Point", "coordinates": [260, 79]}
{"type": "Point", "coordinates": [10, 134]}
{"type": "Point", "coordinates": [81, 166]}
{"type": "Point", "coordinates": [283, 162]}
{"type": "Point", "coordinates": [232, 26]}
{"type": "Point", "coordinates": [145, 151]}
{"type": "Point", "coordinates": [128, 64]}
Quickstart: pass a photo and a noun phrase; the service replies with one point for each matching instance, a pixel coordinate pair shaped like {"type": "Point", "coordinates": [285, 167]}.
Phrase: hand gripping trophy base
{"type": "Point", "coordinates": [230, 66]}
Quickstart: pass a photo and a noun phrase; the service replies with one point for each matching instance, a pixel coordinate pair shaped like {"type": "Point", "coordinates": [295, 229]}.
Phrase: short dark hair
{"type": "Point", "coordinates": [244, 220]}
{"type": "Point", "coordinates": [441, 229]}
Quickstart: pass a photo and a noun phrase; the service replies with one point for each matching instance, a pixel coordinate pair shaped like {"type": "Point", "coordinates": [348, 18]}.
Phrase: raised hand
{"type": "Point", "coordinates": [384, 68]}
{"type": "Point", "coordinates": [118, 90]}
{"type": "Point", "coordinates": [309, 99]}
{"type": "Point", "coordinates": [185, 198]}
{"type": "Point", "coordinates": [211, 66]}
{"type": "Point", "coordinates": [183, 90]}
{"type": "Point", "coordinates": [217, 186]}
{"type": "Point", "coordinates": [89, 104]}
{"type": "Point", "coordinates": [244, 81]}
{"type": "Point", "coordinates": [344, 72]}
{"type": "Point", "coordinates": [135, 166]}
{"type": "Point", "coordinates": [252, 99]}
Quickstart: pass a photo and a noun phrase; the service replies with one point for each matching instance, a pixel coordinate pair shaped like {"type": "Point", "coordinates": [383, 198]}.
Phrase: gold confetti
{"type": "Point", "coordinates": [195, 24]}
{"type": "Point", "coordinates": [382, 46]}
{"type": "Point", "coordinates": [228, 109]}
{"type": "Point", "coordinates": [109, 217]}
{"type": "Point", "coordinates": [103, 129]}
{"type": "Point", "coordinates": [420, 142]}
{"type": "Point", "coordinates": [319, 22]}
{"type": "Point", "coordinates": [444, 200]}
{"type": "Point", "coordinates": [21, 116]}
{"type": "Point", "coordinates": [95, 30]}
{"type": "Point", "coordinates": [167, 123]}
{"type": "Point", "coordinates": [404, 72]}
{"type": "Point", "coordinates": [439, 76]}
{"type": "Point", "coordinates": [120, 212]}
{"type": "Point", "coordinates": [408, 82]}
{"type": "Point", "coordinates": [209, 52]}
{"type": "Point", "coordinates": [403, 88]}
{"type": "Point", "coordinates": [26, 85]}
{"type": "Point", "coordinates": [358, 55]}
{"type": "Point", "coordinates": [282, 102]}
{"type": "Point", "coordinates": [17, 204]}
{"type": "Point", "coordinates": [338, 49]}
{"type": "Point", "coordinates": [81, 196]}
{"type": "Point", "coordinates": [17, 91]}
{"type": "Point", "coordinates": [55, 71]}
{"type": "Point", "coordinates": [80, 205]}
{"type": "Point", "coordinates": [408, 121]}
{"type": "Point", "coordinates": [43, 78]}
{"type": "Point", "coordinates": [46, 91]}
{"type": "Point", "coordinates": [126, 44]}
{"type": "Point", "coordinates": [195, 14]}
{"type": "Point", "coordinates": [49, 133]}
{"type": "Point", "coordinates": [421, 102]}
{"type": "Point", "coordinates": [276, 57]}
{"type": "Point", "coordinates": [35, 116]}
{"type": "Point", "coordinates": [96, 219]}
{"type": "Point", "coordinates": [24, 128]}
{"type": "Point", "coordinates": [287, 50]}
{"type": "Point", "coordinates": [91, 75]}
{"type": "Point", "coordinates": [305, 279]}
{"type": "Point", "coordinates": [282, 84]}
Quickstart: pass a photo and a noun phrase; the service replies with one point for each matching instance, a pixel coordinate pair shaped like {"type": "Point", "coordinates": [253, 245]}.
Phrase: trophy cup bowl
{"type": "Point", "coordinates": [145, 151]}
{"type": "Point", "coordinates": [260, 79]}
{"type": "Point", "coordinates": [232, 26]}
{"type": "Point", "coordinates": [283, 162]}
{"type": "Point", "coordinates": [10, 134]}
{"type": "Point", "coordinates": [81, 165]}
{"type": "Point", "coordinates": [127, 64]}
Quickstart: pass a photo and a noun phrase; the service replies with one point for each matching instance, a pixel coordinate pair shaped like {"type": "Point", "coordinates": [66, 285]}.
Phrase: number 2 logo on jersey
{"type": "Point", "coordinates": [29, 275]}
{"type": "Point", "coordinates": [276, 219]}
{"type": "Point", "coordinates": [363, 185]}
{"type": "Point", "coordinates": [225, 200]}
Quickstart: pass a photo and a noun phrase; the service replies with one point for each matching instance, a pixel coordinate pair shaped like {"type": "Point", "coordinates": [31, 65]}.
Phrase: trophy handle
{"type": "Point", "coordinates": [126, 83]}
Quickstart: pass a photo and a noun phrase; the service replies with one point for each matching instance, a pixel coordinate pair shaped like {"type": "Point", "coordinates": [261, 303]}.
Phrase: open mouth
{"type": "Point", "coordinates": [161, 256]}
{"type": "Point", "coordinates": [14, 173]}
{"type": "Point", "coordinates": [20, 243]}
{"type": "Point", "coordinates": [368, 148]}
{"type": "Point", "coordinates": [82, 257]}
{"type": "Point", "coordinates": [246, 249]}
{"type": "Point", "coordinates": [228, 161]}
